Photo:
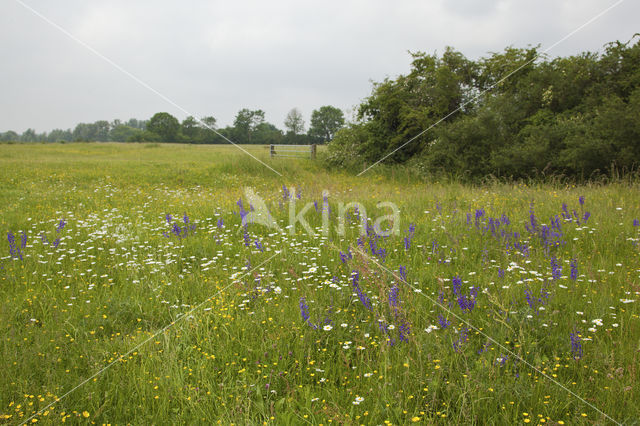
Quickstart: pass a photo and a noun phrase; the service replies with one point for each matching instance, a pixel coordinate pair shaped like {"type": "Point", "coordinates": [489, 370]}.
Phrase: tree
{"type": "Point", "coordinates": [245, 124]}
{"type": "Point", "coordinates": [123, 133]}
{"type": "Point", "coordinates": [190, 129]}
{"type": "Point", "coordinates": [294, 122]}
{"type": "Point", "coordinates": [209, 122]}
{"type": "Point", "coordinates": [325, 122]}
{"type": "Point", "coordinates": [164, 125]}
{"type": "Point", "coordinates": [9, 136]}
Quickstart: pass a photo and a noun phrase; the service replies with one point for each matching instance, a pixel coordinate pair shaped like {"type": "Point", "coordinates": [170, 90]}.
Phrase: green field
{"type": "Point", "coordinates": [129, 316]}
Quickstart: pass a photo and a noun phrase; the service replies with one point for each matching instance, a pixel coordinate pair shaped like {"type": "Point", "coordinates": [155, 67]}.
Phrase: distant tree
{"type": "Point", "coordinates": [245, 124]}
{"type": "Point", "coordinates": [190, 130]}
{"type": "Point", "coordinates": [294, 122]}
{"type": "Point", "coordinates": [102, 130]}
{"type": "Point", "coordinates": [9, 136]}
{"type": "Point", "coordinates": [57, 135]}
{"type": "Point", "coordinates": [85, 132]}
{"type": "Point", "coordinates": [165, 125]}
{"type": "Point", "coordinates": [267, 134]}
{"type": "Point", "coordinates": [138, 124]}
{"type": "Point", "coordinates": [325, 122]}
{"type": "Point", "coordinates": [123, 133]}
{"type": "Point", "coordinates": [209, 121]}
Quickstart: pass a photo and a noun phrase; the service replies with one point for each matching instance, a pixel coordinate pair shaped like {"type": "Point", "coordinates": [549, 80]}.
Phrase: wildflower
{"type": "Point", "coordinates": [581, 200]}
{"type": "Point", "coordinates": [23, 240]}
{"type": "Point", "coordinates": [403, 273]}
{"type": "Point", "coordinates": [444, 323]}
{"type": "Point", "coordinates": [168, 218]}
{"type": "Point", "coordinates": [346, 256]}
{"type": "Point", "coordinates": [574, 269]}
{"type": "Point", "coordinates": [393, 296]}
{"type": "Point", "coordinates": [556, 269]}
{"type": "Point", "coordinates": [185, 219]}
{"type": "Point", "coordinates": [403, 332]}
{"type": "Point", "coordinates": [636, 222]}
{"type": "Point", "coordinates": [220, 223]}
{"type": "Point", "coordinates": [500, 273]}
{"type": "Point", "coordinates": [327, 327]}
{"type": "Point", "coordinates": [285, 192]}
{"type": "Point", "coordinates": [61, 225]}
{"type": "Point", "coordinates": [13, 250]}
{"type": "Point", "coordinates": [457, 284]}
{"type": "Point", "coordinates": [358, 400]}
{"type": "Point", "coordinates": [304, 312]}
{"type": "Point", "coordinates": [576, 346]}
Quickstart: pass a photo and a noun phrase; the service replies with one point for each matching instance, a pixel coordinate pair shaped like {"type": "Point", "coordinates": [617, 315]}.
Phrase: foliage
{"type": "Point", "coordinates": [325, 122]}
{"type": "Point", "coordinates": [514, 114]}
{"type": "Point", "coordinates": [294, 122]}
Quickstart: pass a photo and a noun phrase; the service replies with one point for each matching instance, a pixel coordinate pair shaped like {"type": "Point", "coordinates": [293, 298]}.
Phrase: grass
{"type": "Point", "coordinates": [237, 348]}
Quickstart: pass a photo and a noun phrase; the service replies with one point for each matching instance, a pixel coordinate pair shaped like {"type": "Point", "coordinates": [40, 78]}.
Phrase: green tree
{"type": "Point", "coordinates": [123, 133]}
{"type": "Point", "coordinates": [165, 126]}
{"type": "Point", "coordinates": [294, 122]}
{"type": "Point", "coordinates": [325, 122]}
{"type": "Point", "coordinates": [245, 124]}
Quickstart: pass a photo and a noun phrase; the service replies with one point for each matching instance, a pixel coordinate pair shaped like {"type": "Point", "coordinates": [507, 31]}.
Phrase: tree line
{"type": "Point", "coordinates": [249, 127]}
{"type": "Point", "coordinates": [513, 114]}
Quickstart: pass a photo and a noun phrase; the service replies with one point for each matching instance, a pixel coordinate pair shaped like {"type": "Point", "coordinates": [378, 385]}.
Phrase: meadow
{"type": "Point", "coordinates": [132, 292]}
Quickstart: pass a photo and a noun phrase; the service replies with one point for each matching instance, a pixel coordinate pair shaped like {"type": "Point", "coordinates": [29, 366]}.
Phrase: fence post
{"type": "Point", "coordinates": [313, 151]}
{"type": "Point", "coordinates": [272, 151]}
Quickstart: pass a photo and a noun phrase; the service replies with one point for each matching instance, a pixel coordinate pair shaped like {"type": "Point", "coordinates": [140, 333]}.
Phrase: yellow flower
{"type": "Point", "coordinates": [85, 414]}
{"type": "Point", "coordinates": [415, 419]}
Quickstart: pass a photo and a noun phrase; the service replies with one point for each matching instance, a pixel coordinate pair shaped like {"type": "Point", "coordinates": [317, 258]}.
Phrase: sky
{"type": "Point", "coordinates": [213, 58]}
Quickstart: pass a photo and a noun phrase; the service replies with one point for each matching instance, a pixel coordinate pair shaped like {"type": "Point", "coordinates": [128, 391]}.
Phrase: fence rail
{"type": "Point", "coordinates": [293, 151]}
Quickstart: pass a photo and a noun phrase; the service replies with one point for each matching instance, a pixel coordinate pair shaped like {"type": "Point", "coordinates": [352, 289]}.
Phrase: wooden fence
{"type": "Point", "coordinates": [293, 151]}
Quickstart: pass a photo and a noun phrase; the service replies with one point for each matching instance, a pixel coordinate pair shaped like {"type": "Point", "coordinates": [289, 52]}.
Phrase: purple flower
{"type": "Point", "coordinates": [13, 250]}
{"type": "Point", "coordinates": [576, 345]}
{"type": "Point", "coordinates": [168, 218]}
{"type": "Point", "coordinates": [464, 335]}
{"type": "Point", "coordinates": [556, 269]}
{"type": "Point", "coordinates": [258, 245]}
{"type": "Point", "coordinates": [457, 285]}
{"type": "Point", "coordinates": [220, 223]}
{"type": "Point", "coordinates": [393, 296]}
{"type": "Point", "coordinates": [402, 271]}
{"type": "Point", "coordinates": [285, 192]}
{"type": "Point", "coordinates": [403, 332]}
{"type": "Point", "coordinates": [56, 242]}
{"type": "Point", "coordinates": [443, 322]}
{"type": "Point", "coordinates": [581, 200]}
{"type": "Point", "coordinates": [185, 218]}
{"type": "Point", "coordinates": [346, 256]}
{"type": "Point", "coordinates": [636, 222]}
{"type": "Point", "coordinates": [304, 312]}
{"type": "Point", "coordinates": [574, 269]}
{"type": "Point", "coordinates": [44, 238]}
{"type": "Point", "coordinates": [23, 240]}
{"type": "Point", "coordinates": [61, 225]}
{"type": "Point", "coordinates": [500, 273]}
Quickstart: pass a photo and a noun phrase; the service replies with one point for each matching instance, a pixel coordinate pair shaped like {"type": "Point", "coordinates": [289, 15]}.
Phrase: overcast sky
{"type": "Point", "coordinates": [216, 57]}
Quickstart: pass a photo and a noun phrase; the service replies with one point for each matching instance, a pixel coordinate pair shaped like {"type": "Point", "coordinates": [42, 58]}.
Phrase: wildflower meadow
{"type": "Point", "coordinates": [180, 284]}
